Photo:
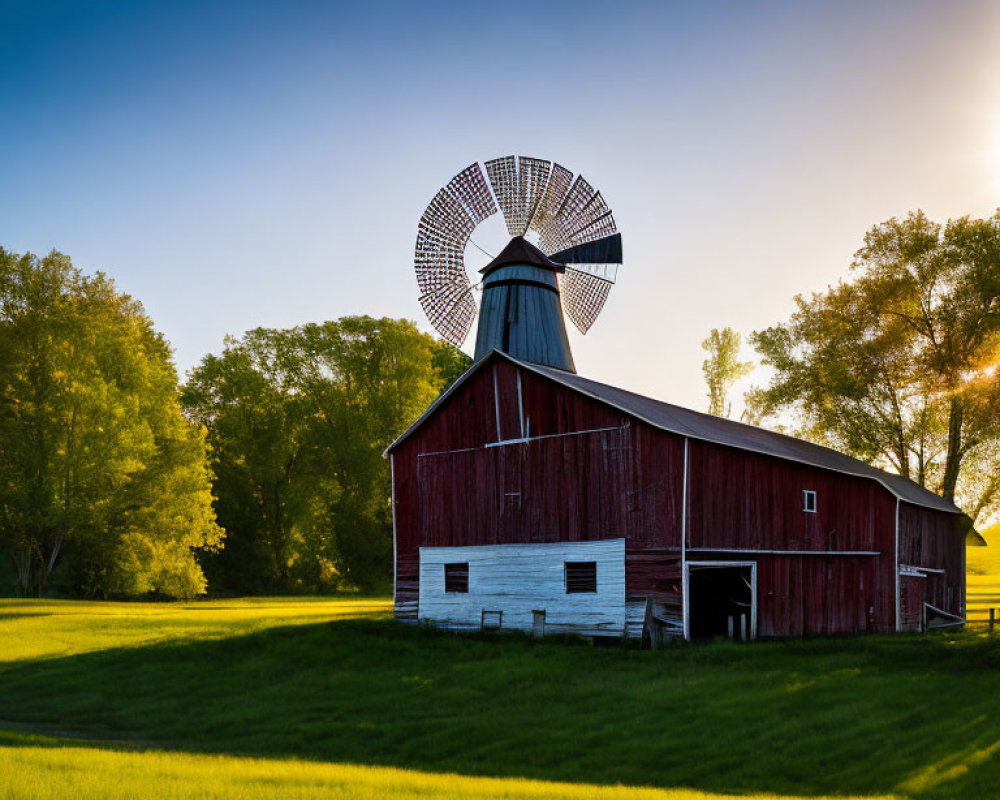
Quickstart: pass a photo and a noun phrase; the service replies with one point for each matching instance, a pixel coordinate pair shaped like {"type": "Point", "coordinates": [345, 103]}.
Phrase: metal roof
{"type": "Point", "coordinates": [708, 428]}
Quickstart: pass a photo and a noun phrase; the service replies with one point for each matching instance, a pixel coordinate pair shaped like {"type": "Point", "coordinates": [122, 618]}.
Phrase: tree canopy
{"type": "Point", "coordinates": [99, 470]}
{"type": "Point", "coordinates": [298, 420]}
{"type": "Point", "coordinates": [722, 368]}
{"type": "Point", "coordinates": [899, 364]}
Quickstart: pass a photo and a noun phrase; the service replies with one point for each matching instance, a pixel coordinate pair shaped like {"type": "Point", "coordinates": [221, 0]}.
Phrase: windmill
{"type": "Point", "coordinates": [564, 247]}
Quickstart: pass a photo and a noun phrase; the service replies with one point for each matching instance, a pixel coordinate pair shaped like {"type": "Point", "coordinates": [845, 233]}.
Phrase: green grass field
{"type": "Point", "coordinates": [328, 698]}
{"type": "Point", "coordinates": [983, 576]}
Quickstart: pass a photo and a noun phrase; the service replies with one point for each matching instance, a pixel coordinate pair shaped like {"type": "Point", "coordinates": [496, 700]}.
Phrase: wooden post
{"type": "Point", "coordinates": [993, 614]}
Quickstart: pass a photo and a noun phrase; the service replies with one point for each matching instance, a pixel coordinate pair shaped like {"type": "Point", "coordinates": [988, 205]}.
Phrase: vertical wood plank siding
{"type": "Point", "coordinates": [748, 501]}
{"type": "Point", "coordinates": [589, 472]}
{"type": "Point", "coordinates": [934, 540]}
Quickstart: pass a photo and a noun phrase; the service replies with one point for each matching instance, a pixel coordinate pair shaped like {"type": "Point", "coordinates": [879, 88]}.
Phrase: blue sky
{"type": "Point", "coordinates": [242, 164]}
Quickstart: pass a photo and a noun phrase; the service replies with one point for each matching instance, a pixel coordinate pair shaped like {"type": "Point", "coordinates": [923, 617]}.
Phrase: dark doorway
{"type": "Point", "coordinates": [721, 601]}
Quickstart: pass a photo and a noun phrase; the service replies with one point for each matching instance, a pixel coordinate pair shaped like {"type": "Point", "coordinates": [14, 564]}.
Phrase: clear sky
{"type": "Point", "coordinates": [246, 164]}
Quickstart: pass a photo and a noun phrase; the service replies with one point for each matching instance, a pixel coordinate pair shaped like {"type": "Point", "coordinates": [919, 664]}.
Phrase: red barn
{"type": "Point", "coordinates": [529, 497]}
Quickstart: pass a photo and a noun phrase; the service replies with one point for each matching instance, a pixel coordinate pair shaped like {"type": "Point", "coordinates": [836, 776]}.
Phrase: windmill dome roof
{"type": "Point", "coordinates": [520, 251]}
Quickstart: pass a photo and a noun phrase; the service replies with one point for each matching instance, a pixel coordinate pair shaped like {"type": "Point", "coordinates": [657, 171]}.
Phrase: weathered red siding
{"type": "Point", "coordinates": [932, 540]}
{"type": "Point", "coordinates": [588, 471]}
{"type": "Point", "coordinates": [612, 478]}
{"type": "Point", "coordinates": [746, 501]}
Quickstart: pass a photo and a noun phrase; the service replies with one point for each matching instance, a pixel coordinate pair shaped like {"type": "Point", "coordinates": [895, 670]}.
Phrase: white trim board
{"type": "Point", "coordinates": [392, 483]}
{"type": "Point", "coordinates": [784, 552]}
{"type": "Point", "coordinates": [921, 569]}
{"type": "Point", "coordinates": [685, 617]}
{"type": "Point", "coordinates": [899, 597]}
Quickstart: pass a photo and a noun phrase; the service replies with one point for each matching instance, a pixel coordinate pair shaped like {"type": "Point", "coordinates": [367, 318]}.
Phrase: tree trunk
{"type": "Point", "coordinates": [953, 461]}
{"type": "Point", "coordinates": [45, 567]}
{"type": "Point", "coordinates": [22, 562]}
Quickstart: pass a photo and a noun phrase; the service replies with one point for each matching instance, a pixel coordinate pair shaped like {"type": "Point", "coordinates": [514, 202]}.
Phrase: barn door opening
{"type": "Point", "coordinates": [722, 600]}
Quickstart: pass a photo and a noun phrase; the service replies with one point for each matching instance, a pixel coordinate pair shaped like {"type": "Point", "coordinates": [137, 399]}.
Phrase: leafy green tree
{"type": "Point", "coordinates": [97, 463]}
{"type": "Point", "coordinates": [722, 368]}
{"type": "Point", "coordinates": [256, 429]}
{"type": "Point", "coordinates": [899, 364]}
{"type": "Point", "coordinates": [448, 362]}
{"type": "Point", "coordinates": [298, 420]}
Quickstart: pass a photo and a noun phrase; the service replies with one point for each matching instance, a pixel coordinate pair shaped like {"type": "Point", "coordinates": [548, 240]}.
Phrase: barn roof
{"type": "Point", "coordinates": [708, 428]}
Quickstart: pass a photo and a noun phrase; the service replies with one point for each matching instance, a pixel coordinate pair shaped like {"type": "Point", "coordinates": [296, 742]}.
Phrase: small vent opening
{"type": "Point", "coordinates": [581, 577]}
{"type": "Point", "coordinates": [456, 577]}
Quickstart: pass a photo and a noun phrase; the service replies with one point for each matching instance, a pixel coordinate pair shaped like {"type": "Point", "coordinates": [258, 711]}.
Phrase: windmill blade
{"type": "Point", "coordinates": [568, 219]}
{"type": "Point", "coordinates": [447, 217]}
{"type": "Point", "coordinates": [470, 189]}
{"type": "Point", "coordinates": [548, 207]}
{"type": "Point", "coordinates": [451, 310]}
{"type": "Point", "coordinates": [437, 263]}
{"type": "Point", "coordinates": [503, 179]}
{"type": "Point", "coordinates": [607, 250]}
{"type": "Point", "coordinates": [606, 272]}
{"type": "Point", "coordinates": [439, 258]}
{"type": "Point", "coordinates": [583, 297]}
{"type": "Point", "coordinates": [532, 181]}
{"type": "Point", "coordinates": [594, 221]}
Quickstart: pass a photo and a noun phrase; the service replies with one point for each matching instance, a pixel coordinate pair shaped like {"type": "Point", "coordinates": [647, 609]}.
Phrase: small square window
{"type": "Point", "coordinates": [456, 577]}
{"type": "Point", "coordinates": [581, 576]}
{"type": "Point", "coordinates": [809, 501]}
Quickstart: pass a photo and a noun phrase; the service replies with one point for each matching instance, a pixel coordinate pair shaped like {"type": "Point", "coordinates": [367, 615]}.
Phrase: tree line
{"type": "Point", "coordinates": [897, 365]}
{"type": "Point", "coordinates": [104, 484]}
{"type": "Point", "coordinates": [297, 421]}
{"type": "Point", "coordinates": [263, 472]}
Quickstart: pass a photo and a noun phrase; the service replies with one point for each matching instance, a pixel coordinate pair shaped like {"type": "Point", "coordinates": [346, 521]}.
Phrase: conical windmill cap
{"type": "Point", "coordinates": [520, 251]}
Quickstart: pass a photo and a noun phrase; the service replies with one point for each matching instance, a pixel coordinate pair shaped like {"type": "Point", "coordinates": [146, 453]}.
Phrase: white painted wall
{"type": "Point", "coordinates": [518, 579]}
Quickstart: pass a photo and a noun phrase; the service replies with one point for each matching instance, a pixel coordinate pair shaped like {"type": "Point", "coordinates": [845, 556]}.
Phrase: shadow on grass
{"type": "Point", "coordinates": [914, 715]}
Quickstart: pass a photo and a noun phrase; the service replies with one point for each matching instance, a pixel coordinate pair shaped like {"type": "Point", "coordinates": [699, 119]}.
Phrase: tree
{"type": "Point", "coordinates": [722, 368]}
{"type": "Point", "coordinates": [298, 420]}
{"type": "Point", "coordinates": [96, 461]}
{"type": "Point", "coordinates": [899, 365]}
{"type": "Point", "coordinates": [448, 362]}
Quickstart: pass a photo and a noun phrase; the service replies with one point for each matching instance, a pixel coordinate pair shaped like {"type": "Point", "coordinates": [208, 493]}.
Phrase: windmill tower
{"type": "Point", "coordinates": [570, 266]}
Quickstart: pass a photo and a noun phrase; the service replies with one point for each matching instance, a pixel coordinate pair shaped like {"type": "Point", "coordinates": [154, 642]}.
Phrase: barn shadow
{"type": "Point", "coordinates": [903, 715]}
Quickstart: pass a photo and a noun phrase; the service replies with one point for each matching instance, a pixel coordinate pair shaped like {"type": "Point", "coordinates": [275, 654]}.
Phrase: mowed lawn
{"type": "Point", "coordinates": [329, 698]}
